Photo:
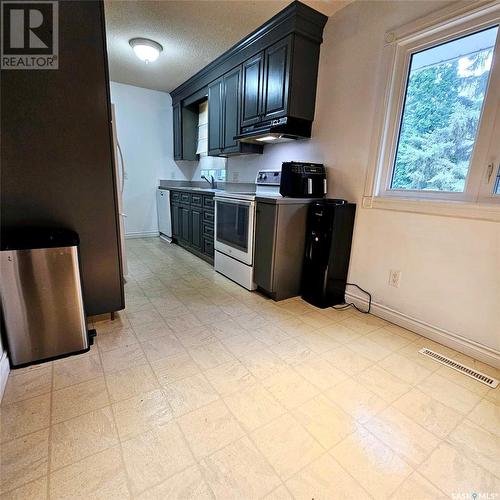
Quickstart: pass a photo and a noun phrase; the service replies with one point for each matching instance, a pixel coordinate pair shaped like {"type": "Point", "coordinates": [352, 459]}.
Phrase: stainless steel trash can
{"type": "Point", "coordinates": [41, 295]}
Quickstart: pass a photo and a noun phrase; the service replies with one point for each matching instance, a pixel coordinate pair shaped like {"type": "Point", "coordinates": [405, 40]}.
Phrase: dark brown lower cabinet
{"type": "Point", "coordinates": [279, 247]}
{"type": "Point", "coordinates": [195, 217]}
{"type": "Point", "coordinates": [208, 247]}
{"type": "Point", "coordinates": [174, 211]}
{"type": "Point", "coordinates": [193, 223]}
{"type": "Point", "coordinates": [185, 224]}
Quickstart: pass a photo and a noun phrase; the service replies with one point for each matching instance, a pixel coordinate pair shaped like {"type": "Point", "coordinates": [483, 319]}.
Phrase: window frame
{"type": "Point", "coordinates": [438, 28]}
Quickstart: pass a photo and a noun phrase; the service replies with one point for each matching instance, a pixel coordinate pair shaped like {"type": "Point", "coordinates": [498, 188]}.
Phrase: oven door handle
{"type": "Point", "coordinates": [234, 202]}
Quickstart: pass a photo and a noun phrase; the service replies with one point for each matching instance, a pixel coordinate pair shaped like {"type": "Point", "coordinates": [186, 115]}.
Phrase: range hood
{"type": "Point", "coordinates": [278, 130]}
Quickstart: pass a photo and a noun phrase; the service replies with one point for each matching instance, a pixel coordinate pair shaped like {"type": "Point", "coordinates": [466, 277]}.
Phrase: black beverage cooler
{"type": "Point", "coordinates": [329, 231]}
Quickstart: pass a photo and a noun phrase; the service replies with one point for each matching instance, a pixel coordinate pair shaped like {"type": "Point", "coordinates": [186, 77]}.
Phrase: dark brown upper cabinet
{"type": "Point", "coordinates": [276, 79]}
{"type": "Point", "coordinates": [280, 81]}
{"type": "Point", "coordinates": [224, 117]}
{"type": "Point", "coordinates": [177, 131]}
{"type": "Point", "coordinates": [265, 87]}
{"type": "Point", "coordinates": [270, 74]}
{"type": "Point", "coordinates": [231, 113]}
{"type": "Point", "coordinates": [185, 124]}
{"type": "Point", "coordinates": [251, 95]}
{"type": "Point", "coordinates": [215, 118]}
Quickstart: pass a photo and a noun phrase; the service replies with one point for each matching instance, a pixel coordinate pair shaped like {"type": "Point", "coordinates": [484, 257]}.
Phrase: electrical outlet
{"type": "Point", "coordinates": [394, 278]}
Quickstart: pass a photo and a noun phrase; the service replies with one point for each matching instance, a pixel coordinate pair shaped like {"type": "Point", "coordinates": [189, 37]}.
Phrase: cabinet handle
{"type": "Point", "coordinates": [490, 172]}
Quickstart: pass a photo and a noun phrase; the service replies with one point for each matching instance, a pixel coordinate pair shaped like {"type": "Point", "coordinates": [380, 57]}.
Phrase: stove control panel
{"type": "Point", "coordinates": [268, 178]}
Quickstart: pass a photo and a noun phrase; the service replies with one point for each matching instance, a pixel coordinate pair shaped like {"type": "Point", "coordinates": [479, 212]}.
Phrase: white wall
{"type": "Point", "coordinates": [144, 127]}
{"type": "Point", "coordinates": [450, 267]}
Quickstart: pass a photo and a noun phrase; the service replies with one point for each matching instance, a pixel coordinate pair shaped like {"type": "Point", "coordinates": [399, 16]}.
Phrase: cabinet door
{"type": "Point", "coordinates": [195, 226]}
{"type": "Point", "coordinates": [175, 220]}
{"type": "Point", "coordinates": [265, 240]}
{"type": "Point", "coordinates": [177, 118]}
{"type": "Point", "coordinates": [231, 93]}
{"type": "Point", "coordinates": [215, 117]}
{"type": "Point", "coordinates": [208, 247]}
{"type": "Point", "coordinates": [184, 223]}
{"type": "Point", "coordinates": [251, 104]}
{"type": "Point", "coordinates": [276, 79]}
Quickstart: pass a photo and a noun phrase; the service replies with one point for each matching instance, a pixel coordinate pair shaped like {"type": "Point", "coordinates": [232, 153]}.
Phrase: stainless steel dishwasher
{"type": "Point", "coordinates": [41, 295]}
{"type": "Point", "coordinates": [164, 217]}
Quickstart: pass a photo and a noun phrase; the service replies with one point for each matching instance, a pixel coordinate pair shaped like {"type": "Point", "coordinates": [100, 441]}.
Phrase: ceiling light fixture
{"type": "Point", "coordinates": [146, 50]}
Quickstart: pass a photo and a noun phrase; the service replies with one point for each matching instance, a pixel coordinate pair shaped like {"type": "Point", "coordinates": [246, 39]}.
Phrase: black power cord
{"type": "Point", "coordinates": [350, 304]}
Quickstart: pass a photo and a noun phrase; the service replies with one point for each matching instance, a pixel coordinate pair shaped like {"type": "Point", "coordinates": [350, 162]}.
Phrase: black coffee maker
{"type": "Point", "coordinates": [303, 180]}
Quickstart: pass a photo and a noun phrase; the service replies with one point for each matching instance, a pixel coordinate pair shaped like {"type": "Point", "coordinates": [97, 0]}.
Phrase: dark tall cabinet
{"type": "Point", "coordinates": [57, 151]}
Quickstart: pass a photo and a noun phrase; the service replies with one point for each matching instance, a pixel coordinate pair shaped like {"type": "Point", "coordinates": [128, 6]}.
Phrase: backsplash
{"type": "Point", "coordinates": [210, 165]}
{"type": "Point", "coordinates": [244, 169]}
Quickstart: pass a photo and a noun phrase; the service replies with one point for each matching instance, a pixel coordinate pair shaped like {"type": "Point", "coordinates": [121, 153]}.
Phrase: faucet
{"type": "Point", "coordinates": [212, 182]}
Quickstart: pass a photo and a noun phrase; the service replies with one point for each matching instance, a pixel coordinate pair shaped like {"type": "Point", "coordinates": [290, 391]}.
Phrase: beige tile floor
{"type": "Point", "coordinates": [201, 389]}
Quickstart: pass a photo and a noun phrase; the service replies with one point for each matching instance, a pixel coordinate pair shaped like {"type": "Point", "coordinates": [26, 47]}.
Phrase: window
{"type": "Point", "coordinates": [441, 118]}
{"type": "Point", "coordinates": [444, 99]}
{"type": "Point", "coordinates": [497, 183]}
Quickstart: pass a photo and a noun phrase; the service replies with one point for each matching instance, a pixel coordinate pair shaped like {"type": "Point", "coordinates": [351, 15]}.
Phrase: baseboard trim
{"type": "Point", "coordinates": [4, 373]}
{"type": "Point", "coordinates": [143, 234]}
{"type": "Point", "coordinates": [449, 339]}
{"type": "Point", "coordinates": [166, 238]}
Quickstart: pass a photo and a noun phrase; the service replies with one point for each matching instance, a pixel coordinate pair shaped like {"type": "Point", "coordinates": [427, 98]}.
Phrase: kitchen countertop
{"type": "Point", "coordinates": [197, 187]}
{"type": "Point", "coordinates": [280, 200]}
{"type": "Point", "coordinates": [202, 186]}
{"type": "Point", "coordinates": [192, 188]}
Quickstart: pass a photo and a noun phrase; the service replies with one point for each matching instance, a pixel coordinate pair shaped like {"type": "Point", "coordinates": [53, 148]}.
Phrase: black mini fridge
{"type": "Point", "coordinates": [329, 230]}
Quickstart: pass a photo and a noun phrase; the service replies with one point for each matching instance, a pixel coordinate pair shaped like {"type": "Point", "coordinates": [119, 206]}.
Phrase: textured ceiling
{"type": "Point", "coordinates": [193, 33]}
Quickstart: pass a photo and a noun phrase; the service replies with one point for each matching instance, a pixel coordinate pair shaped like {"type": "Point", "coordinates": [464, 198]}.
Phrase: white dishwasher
{"type": "Point", "coordinates": [164, 218]}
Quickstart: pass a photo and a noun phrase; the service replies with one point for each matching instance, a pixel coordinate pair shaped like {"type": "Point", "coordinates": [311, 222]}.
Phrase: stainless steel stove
{"type": "Point", "coordinates": [235, 228]}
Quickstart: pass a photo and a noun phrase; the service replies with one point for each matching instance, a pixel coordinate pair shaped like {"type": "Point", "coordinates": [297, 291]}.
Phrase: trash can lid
{"type": "Point", "coordinates": [25, 238]}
